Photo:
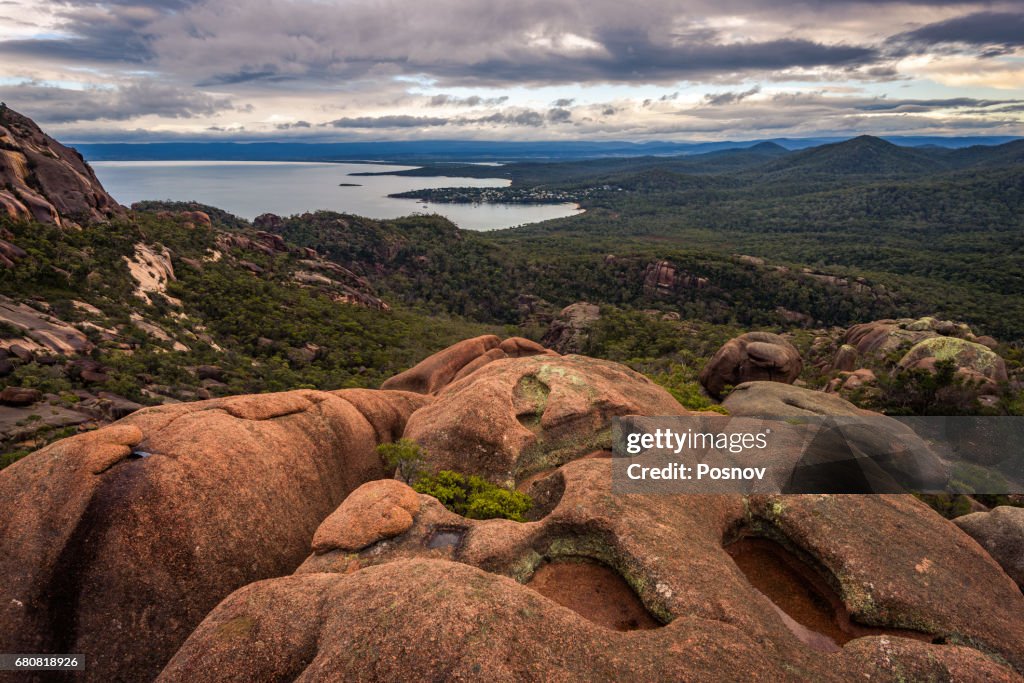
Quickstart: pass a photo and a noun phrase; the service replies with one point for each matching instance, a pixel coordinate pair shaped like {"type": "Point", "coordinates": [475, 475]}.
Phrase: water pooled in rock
{"type": "Point", "coordinates": [446, 538]}
{"type": "Point", "coordinates": [594, 591]}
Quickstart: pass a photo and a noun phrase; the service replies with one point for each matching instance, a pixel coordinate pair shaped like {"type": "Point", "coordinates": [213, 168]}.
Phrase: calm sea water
{"type": "Point", "coordinates": [249, 188]}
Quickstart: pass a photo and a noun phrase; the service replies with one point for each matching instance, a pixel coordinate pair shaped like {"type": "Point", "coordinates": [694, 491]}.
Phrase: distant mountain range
{"type": "Point", "coordinates": [767, 164]}
{"type": "Point", "coordinates": [468, 150]}
{"type": "Point", "coordinates": [871, 156]}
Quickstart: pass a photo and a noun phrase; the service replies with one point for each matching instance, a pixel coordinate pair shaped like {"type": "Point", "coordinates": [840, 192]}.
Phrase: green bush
{"type": "Point", "coordinates": [404, 455]}
{"type": "Point", "coordinates": [686, 390]}
{"type": "Point", "coordinates": [920, 392]}
{"type": "Point", "coordinates": [949, 505]}
{"type": "Point", "coordinates": [474, 497]}
{"type": "Point", "coordinates": [9, 331]}
{"type": "Point", "coordinates": [970, 478]}
{"type": "Point", "coordinates": [11, 457]}
{"type": "Point", "coordinates": [45, 378]}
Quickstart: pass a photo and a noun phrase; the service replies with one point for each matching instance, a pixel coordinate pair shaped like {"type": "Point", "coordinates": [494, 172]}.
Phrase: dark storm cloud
{"type": "Point", "coordinates": [244, 76]}
{"type": "Point", "coordinates": [931, 105]}
{"type": "Point", "coordinates": [820, 113]}
{"type": "Point", "coordinates": [620, 56]}
{"type": "Point", "coordinates": [471, 101]}
{"type": "Point", "coordinates": [165, 5]}
{"type": "Point", "coordinates": [17, 22]}
{"type": "Point", "coordinates": [884, 104]}
{"type": "Point", "coordinates": [559, 115]}
{"type": "Point", "coordinates": [99, 32]}
{"type": "Point", "coordinates": [400, 121]}
{"type": "Point", "coordinates": [50, 104]}
{"type": "Point", "coordinates": [633, 56]}
{"type": "Point", "coordinates": [75, 50]}
{"type": "Point", "coordinates": [511, 117]}
{"type": "Point", "coordinates": [1002, 30]}
{"type": "Point", "coordinates": [882, 73]}
{"type": "Point", "coordinates": [527, 118]}
{"type": "Point", "coordinates": [717, 99]}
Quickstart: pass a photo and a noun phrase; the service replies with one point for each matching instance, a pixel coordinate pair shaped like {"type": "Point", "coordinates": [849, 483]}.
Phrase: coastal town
{"type": "Point", "coordinates": [502, 195]}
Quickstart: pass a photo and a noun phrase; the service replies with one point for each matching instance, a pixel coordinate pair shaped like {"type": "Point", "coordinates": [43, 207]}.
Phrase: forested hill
{"type": "Point", "coordinates": [943, 227]}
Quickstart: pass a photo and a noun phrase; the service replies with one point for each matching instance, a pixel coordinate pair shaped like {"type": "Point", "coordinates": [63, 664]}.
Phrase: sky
{"type": "Point", "coordinates": [148, 70]}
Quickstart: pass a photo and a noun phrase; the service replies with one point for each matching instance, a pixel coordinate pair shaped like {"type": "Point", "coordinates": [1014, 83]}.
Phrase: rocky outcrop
{"type": "Point", "coordinates": [41, 332]}
{"type": "Point", "coordinates": [268, 221]}
{"type": "Point", "coordinates": [10, 254]}
{"type": "Point", "coordinates": [1001, 533]}
{"type": "Point", "coordinates": [858, 285]}
{"type": "Point", "coordinates": [773, 399]}
{"type": "Point", "coordinates": [375, 511]}
{"type": "Point", "coordinates": [876, 340]}
{"type": "Point", "coordinates": [338, 282]}
{"type": "Point", "coordinates": [433, 374]}
{"type": "Point", "coordinates": [663, 279]}
{"type": "Point", "coordinates": [41, 179]}
{"type": "Point", "coordinates": [152, 270]}
{"type": "Point", "coordinates": [852, 381]}
{"type": "Point", "coordinates": [845, 359]}
{"type": "Point", "coordinates": [794, 317]}
{"type": "Point", "coordinates": [749, 260]}
{"type": "Point", "coordinates": [273, 242]}
{"type": "Point", "coordinates": [918, 344]}
{"type": "Point", "coordinates": [569, 331]}
{"type": "Point", "coordinates": [881, 337]}
{"type": "Point", "coordinates": [518, 416]}
{"type": "Point", "coordinates": [262, 242]}
{"type": "Point", "coordinates": [108, 407]}
{"type": "Point", "coordinates": [18, 427]}
{"type": "Point", "coordinates": [19, 396]}
{"type": "Point", "coordinates": [210, 372]}
{"type": "Point", "coordinates": [974, 362]}
{"type": "Point", "coordinates": [905, 461]}
{"type": "Point", "coordinates": [377, 614]}
{"type": "Point", "coordinates": [156, 332]}
{"type": "Point", "coordinates": [196, 218]}
{"type": "Point", "coordinates": [751, 357]}
{"type": "Point", "coordinates": [142, 527]}
{"type": "Point", "coordinates": [326, 277]}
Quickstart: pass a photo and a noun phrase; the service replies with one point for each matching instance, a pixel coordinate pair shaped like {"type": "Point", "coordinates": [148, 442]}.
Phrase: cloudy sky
{"type": "Point", "coordinates": [497, 69]}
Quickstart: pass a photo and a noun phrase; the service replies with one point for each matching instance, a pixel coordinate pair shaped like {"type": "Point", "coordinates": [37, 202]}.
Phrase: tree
{"type": "Point", "coordinates": [405, 455]}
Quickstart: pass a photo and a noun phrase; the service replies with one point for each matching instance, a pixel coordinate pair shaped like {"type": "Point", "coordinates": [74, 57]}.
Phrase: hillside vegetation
{"type": "Point", "coordinates": [676, 255]}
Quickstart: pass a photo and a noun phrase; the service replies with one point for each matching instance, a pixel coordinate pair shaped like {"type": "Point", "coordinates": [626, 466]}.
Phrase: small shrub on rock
{"type": "Point", "coordinates": [920, 392]}
{"type": "Point", "coordinates": [474, 497]}
{"type": "Point", "coordinates": [405, 455]}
